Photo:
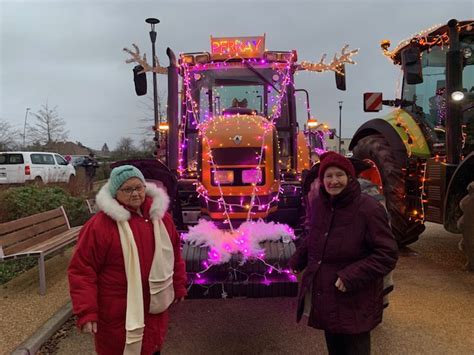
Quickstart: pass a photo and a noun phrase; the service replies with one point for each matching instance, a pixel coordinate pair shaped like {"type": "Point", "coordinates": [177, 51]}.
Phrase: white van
{"type": "Point", "coordinates": [40, 167]}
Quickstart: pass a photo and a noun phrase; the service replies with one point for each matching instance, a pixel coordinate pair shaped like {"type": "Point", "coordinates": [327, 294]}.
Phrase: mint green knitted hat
{"type": "Point", "coordinates": [121, 174]}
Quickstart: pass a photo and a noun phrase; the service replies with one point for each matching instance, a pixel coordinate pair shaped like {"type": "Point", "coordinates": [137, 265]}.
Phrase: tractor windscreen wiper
{"type": "Point", "coordinates": [261, 76]}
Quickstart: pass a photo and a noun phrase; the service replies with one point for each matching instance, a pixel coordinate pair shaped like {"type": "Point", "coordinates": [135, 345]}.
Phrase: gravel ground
{"type": "Point", "coordinates": [430, 313]}
{"type": "Point", "coordinates": [23, 310]}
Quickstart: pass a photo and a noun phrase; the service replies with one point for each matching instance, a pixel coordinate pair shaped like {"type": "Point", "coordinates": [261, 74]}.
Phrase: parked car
{"type": "Point", "coordinates": [78, 160]}
{"type": "Point", "coordinates": [40, 167]}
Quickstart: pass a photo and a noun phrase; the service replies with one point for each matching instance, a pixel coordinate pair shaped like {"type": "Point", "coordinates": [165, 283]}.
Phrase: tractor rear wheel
{"type": "Point", "coordinates": [376, 149]}
{"type": "Point", "coordinates": [466, 225]}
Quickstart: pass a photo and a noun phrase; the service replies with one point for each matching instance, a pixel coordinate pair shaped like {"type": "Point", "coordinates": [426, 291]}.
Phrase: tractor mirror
{"type": "Point", "coordinates": [139, 80]}
{"type": "Point", "coordinates": [411, 64]}
{"type": "Point", "coordinates": [341, 78]}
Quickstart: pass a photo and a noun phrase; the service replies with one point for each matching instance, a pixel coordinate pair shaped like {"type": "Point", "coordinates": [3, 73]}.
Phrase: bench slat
{"type": "Point", "coordinates": [12, 226]}
{"type": "Point", "coordinates": [69, 235]}
{"type": "Point", "coordinates": [18, 236]}
{"type": "Point", "coordinates": [53, 242]}
{"type": "Point", "coordinates": [26, 244]}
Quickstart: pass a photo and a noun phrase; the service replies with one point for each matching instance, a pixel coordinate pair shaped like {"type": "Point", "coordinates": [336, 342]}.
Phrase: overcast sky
{"type": "Point", "coordinates": [69, 53]}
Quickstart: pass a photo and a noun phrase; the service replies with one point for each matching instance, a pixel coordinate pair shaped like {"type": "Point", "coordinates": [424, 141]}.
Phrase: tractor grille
{"type": "Point", "coordinates": [434, 172]}
{"type": "Point", "coordinates": [237, 156]}
{"type": "Point", "coordinates": [434, 214]}
{"type": "Point", "coordinates": [433, 193]}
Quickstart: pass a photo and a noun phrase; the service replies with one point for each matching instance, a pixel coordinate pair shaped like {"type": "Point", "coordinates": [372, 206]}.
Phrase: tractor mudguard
{"type": "Point", "coordinates": [400, 130]}
{"type": "Point", "coordinates": [462, 177]}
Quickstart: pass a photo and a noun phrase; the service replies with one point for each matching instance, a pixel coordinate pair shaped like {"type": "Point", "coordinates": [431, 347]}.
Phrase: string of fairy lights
{"type": "Point", "coordinates": [425, 38]}
{"type": "Point", "coordinates": [204, 131]}
{"type": "Point", "coordinates": [206, 124]}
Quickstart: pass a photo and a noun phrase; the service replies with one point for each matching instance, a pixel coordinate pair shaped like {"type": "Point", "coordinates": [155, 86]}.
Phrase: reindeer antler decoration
{"type": "Point", "coordinates": [336, 63]}
{"type": "Point", "coordinates": [136, 58]}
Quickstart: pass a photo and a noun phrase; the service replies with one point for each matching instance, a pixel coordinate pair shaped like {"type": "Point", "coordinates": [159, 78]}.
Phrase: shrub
{"type": "Point", "coordinates": [11, 268]}
{"type": "Point", "coordinates": [24, 201]}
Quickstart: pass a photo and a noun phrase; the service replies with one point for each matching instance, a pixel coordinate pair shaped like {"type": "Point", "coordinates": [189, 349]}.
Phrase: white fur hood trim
{"type": "Point", "coordinates": [112, 208]}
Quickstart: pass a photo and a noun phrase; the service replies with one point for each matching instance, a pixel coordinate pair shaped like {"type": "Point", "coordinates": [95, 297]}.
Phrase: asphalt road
{"type": "Point", "coordinates": [430, 312]}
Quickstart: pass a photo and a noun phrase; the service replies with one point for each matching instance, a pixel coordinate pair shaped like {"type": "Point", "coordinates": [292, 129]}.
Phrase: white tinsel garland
{"type": "Point", "coordinates": [245, 239]}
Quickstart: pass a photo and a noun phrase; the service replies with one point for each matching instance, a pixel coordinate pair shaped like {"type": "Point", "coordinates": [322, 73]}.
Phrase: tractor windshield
{"type": "Point", "coordinates": [429, 96]}
{"type": "Point", "coordinates": [238, 90]}
{"type": "Point", "coordinates": [231, 89]}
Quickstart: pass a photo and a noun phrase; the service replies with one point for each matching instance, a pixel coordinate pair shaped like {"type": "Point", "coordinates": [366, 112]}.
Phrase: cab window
{"type": "Point", "coordinates": [11, 159]}
{"type": "Point", "coordinates": [45, 159]}
{"type": "Point", "coordinates": [60, 160]}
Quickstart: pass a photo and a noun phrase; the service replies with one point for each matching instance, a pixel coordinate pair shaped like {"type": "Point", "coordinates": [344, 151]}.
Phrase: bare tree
{"type": "Point", "coordinates": [49, 127]}
{"type": "Point", "coordinates": [125, 149]}
{"type": "Point", "coordinates": [8, 136]}
{"type": "Point", "coordinates": [147, 146]}
{"type": "Point", "coordinates": [147, 108]}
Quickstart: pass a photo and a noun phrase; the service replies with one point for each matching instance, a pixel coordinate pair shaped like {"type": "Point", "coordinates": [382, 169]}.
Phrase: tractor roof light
{"type": "Point", "coordinates": [163, 126]}
{"type": "Point", "coordinates": [203, 58]}
{"type": "Point", "coordinates": [187, 59]}
{"type": "Point", "coordinates": [312, 123]}
{"type": "Point", "coordinates": [274, 56]}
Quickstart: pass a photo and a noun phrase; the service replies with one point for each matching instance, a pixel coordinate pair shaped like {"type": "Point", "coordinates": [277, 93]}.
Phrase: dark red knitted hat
{"type": "Point", "coordinates": [329, 159]}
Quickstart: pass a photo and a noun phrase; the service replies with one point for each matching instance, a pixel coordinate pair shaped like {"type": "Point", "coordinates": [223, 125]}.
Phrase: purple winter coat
{"type": "Point", "coordinates": [349, 237]}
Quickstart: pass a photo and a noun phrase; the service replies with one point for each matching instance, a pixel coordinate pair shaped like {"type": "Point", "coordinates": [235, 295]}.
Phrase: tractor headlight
{"type": "Point", "coordinates": [252, 176]}
{"type": "Point", "coordinates": [224, 177]}
{"type": "Point", "coordinates": [457, 95]}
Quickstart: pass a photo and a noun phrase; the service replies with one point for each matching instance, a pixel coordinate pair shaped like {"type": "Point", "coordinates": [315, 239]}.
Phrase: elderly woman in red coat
{"type": "Point", "coordinates": [127, 267]}
{"type": "Point", "coordinates": [347, 252]}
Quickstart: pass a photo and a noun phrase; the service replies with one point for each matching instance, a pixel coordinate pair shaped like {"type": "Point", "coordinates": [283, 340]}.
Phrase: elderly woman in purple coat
{"type": "Point", "coordinates": [347, 252]}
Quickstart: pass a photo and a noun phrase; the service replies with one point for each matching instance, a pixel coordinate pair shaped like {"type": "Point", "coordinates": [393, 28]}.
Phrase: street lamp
{"type": "Point", "coordinates": [153, 21]}
{"type": "Point", "coordinates": [24, 127]}
{"type": "Point", "coordinates": [340, 128]}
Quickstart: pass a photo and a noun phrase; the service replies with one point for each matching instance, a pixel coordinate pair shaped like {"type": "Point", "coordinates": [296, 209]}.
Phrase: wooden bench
{"type": "Point", "coordinates": [37, 236]}
{"type": "Point", "coordinates": [92, 206]}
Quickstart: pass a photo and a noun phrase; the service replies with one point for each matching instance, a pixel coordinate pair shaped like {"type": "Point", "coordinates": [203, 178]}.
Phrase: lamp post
{"type": "Point", "coordinates": [24, 127]}
{"type": "Point", "coordinates": [153, 21]}
{"type": "Point", "coordinates": [340, 125]}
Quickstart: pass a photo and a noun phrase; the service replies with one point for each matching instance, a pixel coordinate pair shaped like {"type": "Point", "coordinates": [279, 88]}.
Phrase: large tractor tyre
{"type": "Point", "coordinates": [376, 149]}
{"type": "Point", "coordinates": [466, 225]}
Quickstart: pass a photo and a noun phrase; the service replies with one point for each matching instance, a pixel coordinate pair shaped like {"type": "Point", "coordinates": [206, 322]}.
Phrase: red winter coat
{"type": "Point", "coordinates": [349, 237]}
{"type": "Point", "coordinates": [97, 279]}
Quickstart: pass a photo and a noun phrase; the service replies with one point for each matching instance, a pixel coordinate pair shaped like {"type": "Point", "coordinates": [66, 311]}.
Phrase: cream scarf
{"type": "Point", "coordinates": [160, 280]}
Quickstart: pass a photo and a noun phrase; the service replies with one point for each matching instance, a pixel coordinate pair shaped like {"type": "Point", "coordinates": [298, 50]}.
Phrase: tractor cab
{"type": "Point", "coordinates": [424, 88]}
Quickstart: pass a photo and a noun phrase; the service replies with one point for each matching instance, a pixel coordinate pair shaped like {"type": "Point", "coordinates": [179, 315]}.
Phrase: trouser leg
{"type": "Point", "coordinates": [348, 344]}
{"type": "Point", "coordinates": [334, 343]}
{"type": "Point", "coordinates": [357, 344]}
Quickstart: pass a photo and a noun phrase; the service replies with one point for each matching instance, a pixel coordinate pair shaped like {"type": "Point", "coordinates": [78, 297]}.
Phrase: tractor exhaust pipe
{"type": "Point", "coordinates": [453, 83]}
{"type": "Point", "coordinates": [172, 112]}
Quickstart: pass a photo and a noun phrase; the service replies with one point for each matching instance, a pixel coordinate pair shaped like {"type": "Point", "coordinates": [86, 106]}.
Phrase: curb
{"type": "Point", "coordinates": [31, 345]}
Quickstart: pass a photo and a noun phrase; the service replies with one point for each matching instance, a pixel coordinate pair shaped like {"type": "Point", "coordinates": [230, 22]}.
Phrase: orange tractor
{"type": "Point", "coordinates": [236, 149]}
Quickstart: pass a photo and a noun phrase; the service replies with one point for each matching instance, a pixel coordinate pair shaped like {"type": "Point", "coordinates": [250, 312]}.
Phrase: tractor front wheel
{"type": "Point", "coordinates": [377, 150]}
{"type": "Point", "coordinates": [466, 225]}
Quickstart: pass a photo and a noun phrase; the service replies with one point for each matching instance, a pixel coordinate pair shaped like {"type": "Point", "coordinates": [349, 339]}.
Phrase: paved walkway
{"type": "Point", "coordinates": [431, 312]}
